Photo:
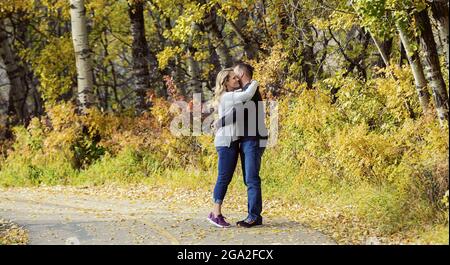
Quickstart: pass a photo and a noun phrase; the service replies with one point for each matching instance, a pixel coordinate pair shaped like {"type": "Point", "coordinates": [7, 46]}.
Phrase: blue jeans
{"type": "Point", "coordinates": [251, 155]}
{"type": "Point", "coordinates": [228, 157]}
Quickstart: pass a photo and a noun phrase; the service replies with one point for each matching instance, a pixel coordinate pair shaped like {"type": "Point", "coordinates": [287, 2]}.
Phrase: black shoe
{"type": "Point", "coordinates": [248, 224]}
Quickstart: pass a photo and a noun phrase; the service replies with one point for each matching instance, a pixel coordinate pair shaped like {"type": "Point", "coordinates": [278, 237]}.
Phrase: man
{"type": "Point", "coordinates": [252, 134]}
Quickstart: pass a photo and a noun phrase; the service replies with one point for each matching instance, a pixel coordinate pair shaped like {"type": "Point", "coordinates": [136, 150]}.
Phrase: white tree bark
{"type": "Point", "coordinates": [82, 54]}
{"type": "Point", "coordinates": [416, 68]}
{"type": "Point", "coordinates": [380, 49]}
{"type": "Point", "coordinates": [193, 70]}
{"type": "Point", "coordinates": [5, 88]}
{"type": "Point", "coordinates": [193, 85]}
{"type": "Point", "coordinates": [432, 68]}
{"type": "Point", "coordinates": [217, 40]}
{"type": "Point", "coordinates": [439, 10]}
{"type": "Point", "coordinates": [18, 89]}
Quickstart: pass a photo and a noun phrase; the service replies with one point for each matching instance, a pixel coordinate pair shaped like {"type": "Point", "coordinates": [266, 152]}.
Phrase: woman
{"type": "Point", "coordinates": [227, 96]}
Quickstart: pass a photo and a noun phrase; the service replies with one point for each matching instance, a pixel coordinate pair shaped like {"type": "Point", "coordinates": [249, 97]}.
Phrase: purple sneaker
{"type": "Point", "coordinates": [218, 221]}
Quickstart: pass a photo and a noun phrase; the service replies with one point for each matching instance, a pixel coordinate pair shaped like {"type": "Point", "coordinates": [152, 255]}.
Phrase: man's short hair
{"type": "Point", "coordinates": [248, 69]}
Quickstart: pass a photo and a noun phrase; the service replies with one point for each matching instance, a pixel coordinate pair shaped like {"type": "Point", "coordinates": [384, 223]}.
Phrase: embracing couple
{"type": "Point", "coordinates": [241, 132]}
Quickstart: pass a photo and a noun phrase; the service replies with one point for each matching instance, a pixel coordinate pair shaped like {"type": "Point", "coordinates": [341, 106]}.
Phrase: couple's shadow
{"type": "Point", "coordinates": [281, 224]}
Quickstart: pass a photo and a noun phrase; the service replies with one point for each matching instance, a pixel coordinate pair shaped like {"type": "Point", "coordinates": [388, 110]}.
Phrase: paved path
{"type": "Point", "coordinates": [65, 217]}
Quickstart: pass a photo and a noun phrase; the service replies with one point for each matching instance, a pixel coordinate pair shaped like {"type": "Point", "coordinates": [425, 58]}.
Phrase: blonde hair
{"type": "Point", "coordinates": [222, 78]}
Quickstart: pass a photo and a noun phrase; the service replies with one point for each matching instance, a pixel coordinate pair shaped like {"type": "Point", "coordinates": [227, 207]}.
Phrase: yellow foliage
{"type": "Point", "coordinates": [167, 54]}
{"type": "Point", "coordinates": [56, 70]}
{"type": "Point", "coordinates": [400, 94]}
{"type": "Point", "coordinates": [336, 21]}
{"type": "Point", "coordinates": [269, 71]}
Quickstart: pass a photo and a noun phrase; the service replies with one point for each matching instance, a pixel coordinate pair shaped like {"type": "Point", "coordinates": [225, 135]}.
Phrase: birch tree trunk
{"type": "Point", "coordinates": [140, 54]}
{"type": "Point", "coordinates": [18, 90]}
{"type": "Point", "coordinates": [217, 40]}
{"type": "Point", "coordinates": [416, 68]}
{"type": "Point", "coordinates": [193, 85]}
{"type": "Point", "coordinates": [439, 9]}
{"type": "Point", "coordinates": [82, 55]}
{"type": "Point", "coordinates": [251, 47]}
{"type": "Point", "coordinates": [193, 70]}
{"type": "Point", "coordinates": [432, 67]}
{"type": "Point", "coordinates": [380, 49]}
{"type": "Point", "coordinates": [5, 88]}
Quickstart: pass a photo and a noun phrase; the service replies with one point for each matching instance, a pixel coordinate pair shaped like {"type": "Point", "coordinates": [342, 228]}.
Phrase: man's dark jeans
{"type": "Point", "coordinates": [251, 154]}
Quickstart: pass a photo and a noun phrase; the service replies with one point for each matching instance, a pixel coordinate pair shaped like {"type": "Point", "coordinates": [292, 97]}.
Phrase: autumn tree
{"type": "Point", "coordinates": [82, 54]}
